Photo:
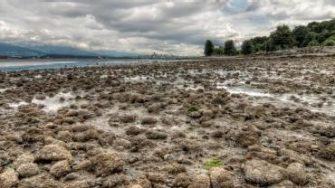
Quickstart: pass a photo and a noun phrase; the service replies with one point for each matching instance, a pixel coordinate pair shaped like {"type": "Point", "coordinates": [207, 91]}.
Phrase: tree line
{"type": "Point", "coordinates": [313, 34]}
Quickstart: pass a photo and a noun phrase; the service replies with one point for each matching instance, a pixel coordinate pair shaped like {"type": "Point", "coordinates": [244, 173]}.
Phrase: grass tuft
{"type": "Point", "coordinates": [211, 163]}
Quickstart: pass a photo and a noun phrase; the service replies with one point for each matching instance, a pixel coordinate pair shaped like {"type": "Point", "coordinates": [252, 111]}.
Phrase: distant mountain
{"type": "Point", "coordinates": [62, 50]}
{"type": "Point", "coordinates": [35, 50]}
{"type": "Point", "coordinates": [9, 50]}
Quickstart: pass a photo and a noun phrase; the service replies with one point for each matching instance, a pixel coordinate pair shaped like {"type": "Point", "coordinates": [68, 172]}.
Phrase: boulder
{"type": "Point", "coordinates": [40, 181]}
{"type": "Point", "coordinates": [297, 174]}
{"type": "Point", "coordinates": [262, 173]}
{"type": "Point", "coordinates": [23, 159]}
{"type": "Point", "coordinates": [221, 178]}
{"type": "Point", "coordinates": [182, 180]}
{"type": "Point", "coordinates": [60, 168]}
{"type": "Point", "coordinates": [28, 170]}
{"type": "Point", "coordinates": [107, 162]}
{"type": "Point", "coordinates": [200, 181]}
{"type": "Point", "coordinates": [9, 178]}
{"type": "Point", "coordinates": [53, 152]}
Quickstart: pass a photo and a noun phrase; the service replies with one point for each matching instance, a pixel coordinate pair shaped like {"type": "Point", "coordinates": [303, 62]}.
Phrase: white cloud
{"type": "Point", "coordinates": [147, 26]}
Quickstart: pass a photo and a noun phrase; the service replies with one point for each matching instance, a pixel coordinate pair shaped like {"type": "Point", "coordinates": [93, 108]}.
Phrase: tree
{"type": "Point", "coordinates": [219, 51]}
{"type": "Point", "coordinates": [259, 43]}
{"type": "Point", "coordinates": [209, 48]}
{"type": "Point", "coordinates": [314, 34]}
{"type": "Point", "coordinates": [282, 38]}
{"type": "Point", "coordinates": [313, 43]}
{"type": "Point", "coordinates": [247, 47]}
{"type": "Point", "coordinates": [300, 34]}
{"type": "Point", "coordinates": [330, 41]}
{"type": "Point", "coordinates": [229, 48]}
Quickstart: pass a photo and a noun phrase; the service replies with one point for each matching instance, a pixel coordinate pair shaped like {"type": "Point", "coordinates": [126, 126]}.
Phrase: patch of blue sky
{"type": "Point", "coordinates": [235, 7]}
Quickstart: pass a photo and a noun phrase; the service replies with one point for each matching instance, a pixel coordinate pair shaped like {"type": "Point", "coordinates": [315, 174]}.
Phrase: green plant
{"type": "Point", "coordinates": [209, 48]}
{"type": "Point", "coordinates": [192, 109]}
{"type": "Point", "coordinates": [211, 163]}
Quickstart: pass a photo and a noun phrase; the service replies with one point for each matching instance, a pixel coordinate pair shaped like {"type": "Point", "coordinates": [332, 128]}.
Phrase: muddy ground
{"type": "Point", "coordinates": [208, 123]}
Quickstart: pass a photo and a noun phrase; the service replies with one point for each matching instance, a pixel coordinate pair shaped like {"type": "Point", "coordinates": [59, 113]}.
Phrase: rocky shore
{"type": "Point", "coordinates": [210, 123]}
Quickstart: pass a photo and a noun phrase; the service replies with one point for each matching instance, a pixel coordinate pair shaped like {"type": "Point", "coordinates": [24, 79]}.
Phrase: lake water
{"type": "Point", "coordinates": [19, 65]}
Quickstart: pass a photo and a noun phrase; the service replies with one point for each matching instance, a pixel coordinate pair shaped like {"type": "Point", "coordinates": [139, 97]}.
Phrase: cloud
{"type": "Point", "coordinates": [147, 26]}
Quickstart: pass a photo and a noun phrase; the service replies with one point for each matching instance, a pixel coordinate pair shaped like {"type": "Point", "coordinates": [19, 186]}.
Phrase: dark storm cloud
{"type": "Point", "coordinates": [167, 26]}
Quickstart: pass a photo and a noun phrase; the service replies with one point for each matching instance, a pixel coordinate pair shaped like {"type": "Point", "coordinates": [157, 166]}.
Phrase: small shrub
{"type": "Point", "coordinates": [211, 163]}
{"type": "Point", "coordinates": [192, 109]}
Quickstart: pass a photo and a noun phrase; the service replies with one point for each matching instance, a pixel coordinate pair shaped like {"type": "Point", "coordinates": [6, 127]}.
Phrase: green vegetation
{"type": "Point", "coordinates": [314, 34]}
{"type": "Point", "coordinates": [211, 163]}
{"type": "Point", "coordinates": [229, 48]}
{"type": "Point", "coordinates": [192, 109]}
{"type": "Point", "coordinates": [247, 47]}
{"type": "Point", "coordinates": [209, 48]}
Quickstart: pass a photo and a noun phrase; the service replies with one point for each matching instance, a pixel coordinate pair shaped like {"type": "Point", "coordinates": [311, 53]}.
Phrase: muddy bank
{"type": "Point", "coordinates": [217, 123]}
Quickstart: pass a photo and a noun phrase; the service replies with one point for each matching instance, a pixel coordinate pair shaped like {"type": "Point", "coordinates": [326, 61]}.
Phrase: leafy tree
{"type": "Point", "coordinates": [259, 43]}
{"type": "Point", "coordinates": [312, 43]}
{"type": "Point", "coordinates": [219, 51]}
{"type": "Point", "coordinates": [314, 34]}
{"type": "Point", "coordinates": [247, 47]}
{"type": "Point", "coordinates": [209, 48]}
{"type": "Point", "coordinates": [330, 41]}
{"type": "Point", "coordinates": [282, 38]}
{"type": "Point", "coordinates": [229, 48]}
{"type": "Point", "coordinates": [300, 35]}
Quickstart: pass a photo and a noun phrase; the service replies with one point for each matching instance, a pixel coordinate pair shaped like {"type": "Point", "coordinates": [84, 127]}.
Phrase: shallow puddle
{"type": "Point", "coordinates": [53, 104]}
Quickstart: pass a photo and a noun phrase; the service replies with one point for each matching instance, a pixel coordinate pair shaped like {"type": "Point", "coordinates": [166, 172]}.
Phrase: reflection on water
{"type": "Point", "coordinates": [19, 65]}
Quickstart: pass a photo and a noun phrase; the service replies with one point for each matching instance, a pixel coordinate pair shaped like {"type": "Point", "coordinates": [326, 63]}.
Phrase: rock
{"type": "Point", "coordinates": [155, 135]}
{"type": "Point", "coordinates": [65, 136]}
{"type": "Point", "coordinates": [283, 184]}
{"type": "Point", "coordinates": [195, 115]}
{"type": "Point", "coordinates": [127, 118]}
{"type": "Point", "coordinates": [200, 181]}
{"type": "Point", "coordinates": [175, 168]}
{"type": "Point", "coordinates": [90, 134]}
{"type": "Point", "coordinates": [53, 152]}
{"type": "Point", "coordinates": [23, 159]}
{"type": "Point", "coordinates": [9, 178]}
{"type": "Point", "coordinates": [106, 163]}
{"type": "Point", "coordinates": [135, 186]}
{"type": "Point", "coordinates": [78, 184]}
{"type": "Point", "coordinates": [144, 183]}
{"type": "Point", "coordinates": [182, 180]}
{"type": "Point", "coordinates": [297, 174]}
{"type": "Point", "coordinates": [60, 168]}
{"type": "Point", "coordinates": [40, 181]}
{"type": "Point", "coordinates": [83, 165]}
{"type": "Point", "coordinates": [248, 137]}
{"type": "Point", "coordinates": [115, 181]}
{"type": "Point", "coordinates": [122, 144]}
{"type": "Point", "coordinates": [72, 176]}
{"type": "Point", "coordinates": [106, 139]}
{"type": "Point", "coordinates": [328, 152]}
{"type": "Point", "coordinates": [156, 178]}
{"type": "Point", "coordinates": [133, 131]}
{"type": "Point", "coordinates": [28, 170]}
{"type": "Point", "coordinates": [262, 173]}
{"type": "Point", "coordinates": [148, 121]}
{"type": "Point", "coordinates": [221, 178]}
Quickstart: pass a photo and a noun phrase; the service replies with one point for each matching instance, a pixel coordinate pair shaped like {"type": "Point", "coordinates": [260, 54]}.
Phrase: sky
{"type": "Point", "coordinates": [178, 27]}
